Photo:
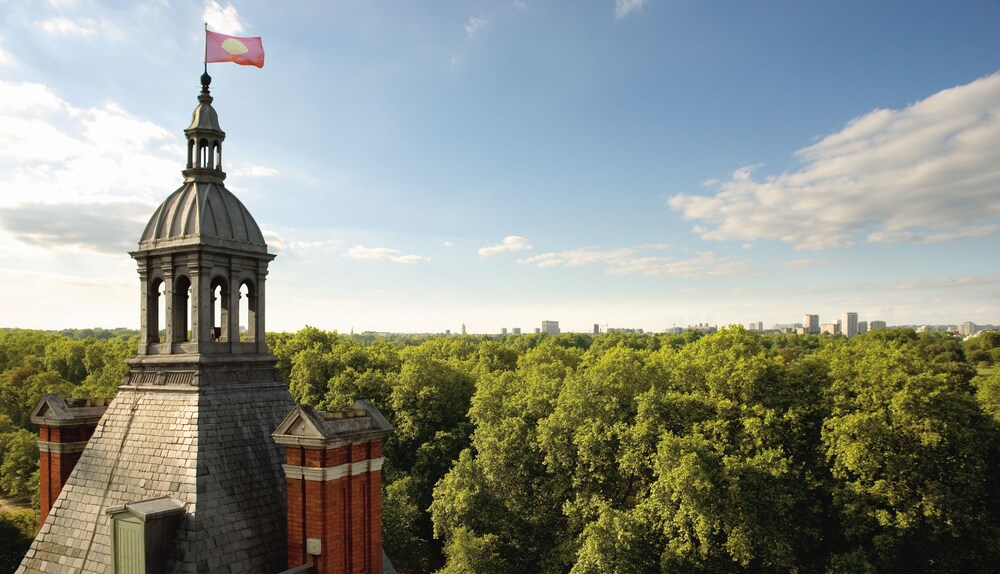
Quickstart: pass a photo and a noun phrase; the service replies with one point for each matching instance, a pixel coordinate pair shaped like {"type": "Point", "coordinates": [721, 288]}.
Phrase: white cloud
{"type": "Point", "coordinates": [625, 7]}
{"type": "Point", "coordinates": [803, 262]}
{"type": "Point", "coordinates": [578, 257]}
{"type": "Point", "coordinates": [383, 253]}
{"type": "Point", "coordinates": [6, 60]}
{"type": "Point", "coordinates": [627, 261]}
{"type": "Point", "coordinates": [922, 174]}
{"type": "Point", "coordinates": [67, 173]}
{"type": "Point", "coordinates": [923, 238]}
{"type": "Point", "coordinates": [509, 243]}
{"type": "Point", "coordinates": [449, 244]}
{"type": "Point", "coordinates": [221, 19]}
{"type": "Point", "coordinates": [253, 171]}
{"type": "Point", "coordinates": [474, 25]}
{"type": "Point", "coordinates": [84, 27]}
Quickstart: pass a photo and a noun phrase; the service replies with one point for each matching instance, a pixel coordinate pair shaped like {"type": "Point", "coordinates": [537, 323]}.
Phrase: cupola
{"type": "Point", "coordinates": [202, 257]}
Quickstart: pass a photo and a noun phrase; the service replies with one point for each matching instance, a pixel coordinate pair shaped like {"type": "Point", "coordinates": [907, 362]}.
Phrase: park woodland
{"type": "Point", "coordinates": [622, 453]}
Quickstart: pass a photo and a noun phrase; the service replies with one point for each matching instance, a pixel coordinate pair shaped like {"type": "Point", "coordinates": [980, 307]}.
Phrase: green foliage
{"type": "Point", "coordinates": [16, 533]}
{"type": "Point", "coordinates": [19, 463]}
{"type": "Point", "coordinates": [106, 365]}
{"type": "Point", "coordinates": [983, 349]}
{"type": "Point", "coordinates": [988, 394]}
{"type": "Point", "coordinates": [627, 453]}
{"type": "Point", "coordinates": [401, 517]}
{"type": "Point", "coordinates": [914, 458]}
{"type": "Point", "coordinates": [734, 452]}
{"type": "Point", "coordinates": [22, 388]}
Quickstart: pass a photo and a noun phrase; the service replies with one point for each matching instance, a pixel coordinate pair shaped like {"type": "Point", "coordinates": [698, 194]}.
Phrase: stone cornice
{"type": "Point", "coordinates": [333, 472]}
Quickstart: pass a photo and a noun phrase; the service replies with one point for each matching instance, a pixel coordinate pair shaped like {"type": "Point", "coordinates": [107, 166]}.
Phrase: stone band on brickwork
{"type": "Point", "coordinates": [62, 447]}
{"type": "Point", "coordinates": [334, 472]}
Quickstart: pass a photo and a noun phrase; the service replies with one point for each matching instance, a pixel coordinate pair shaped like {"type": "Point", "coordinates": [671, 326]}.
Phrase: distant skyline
{"type": "Point", "coordinates": [420, 165]}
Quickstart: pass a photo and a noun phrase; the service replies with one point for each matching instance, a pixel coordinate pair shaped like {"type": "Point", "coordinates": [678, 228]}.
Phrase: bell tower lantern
{"type": "Point", "coordinates": [179, 472]}
{"type": "Point", "coordinates": [202, 258]}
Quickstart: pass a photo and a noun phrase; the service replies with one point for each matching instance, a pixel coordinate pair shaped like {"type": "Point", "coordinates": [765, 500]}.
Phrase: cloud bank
{"type": "Point", "coordinates": [383, 254]}
{"type": "Point", "coordinates": [926, 173]}
{"type": "Point", "coordinates": [630, 260]}
{"type": "Point", "coordinates": [68, 175]}
{"type": "Point", "coordinates": [509, 243]}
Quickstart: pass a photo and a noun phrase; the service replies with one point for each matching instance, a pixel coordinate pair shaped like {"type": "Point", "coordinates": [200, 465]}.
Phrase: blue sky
{"type": "Point", "coordinates": [419, 165]}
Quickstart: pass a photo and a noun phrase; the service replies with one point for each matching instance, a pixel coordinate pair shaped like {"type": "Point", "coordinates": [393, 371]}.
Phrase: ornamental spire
{"type": "Point", "coordinates": [204, 139]}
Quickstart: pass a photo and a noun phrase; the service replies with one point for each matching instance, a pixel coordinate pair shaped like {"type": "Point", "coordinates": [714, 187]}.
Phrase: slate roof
{"type": "Point", "coordinates": [209, 447]}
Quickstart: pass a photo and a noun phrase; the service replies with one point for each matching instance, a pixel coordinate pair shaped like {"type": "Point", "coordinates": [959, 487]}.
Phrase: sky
{"type": "Point", "coordinates": [420, 165]}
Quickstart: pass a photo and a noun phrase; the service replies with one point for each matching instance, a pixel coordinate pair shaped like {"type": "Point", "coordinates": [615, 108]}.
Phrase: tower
{"type": "Point", "coordinates": [181, 471]}
{"type": "Point", "coordinates": [811, 324]}
{"type": "Point", "coordinates": [849, 324]}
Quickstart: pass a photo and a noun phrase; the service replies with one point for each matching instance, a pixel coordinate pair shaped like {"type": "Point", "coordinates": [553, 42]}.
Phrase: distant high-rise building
{"type": "Point", "coordinates": [862, 327]}
{"type": "Point", "coordinates": [550, 327]}
{"type": "Point", "coordinates": [849, 324]}
{"type": "Point", "coordinates": [875, 325]}
{"type": "Point", "coordinates": [829, 328]}
{"type": "Point", "coordinates": [503, 330]}
{"type": "Point", "coordinates": [756, 326]}
{"type": "Point", "coordinates": [811, 324]}
{"type": "Point", "coordinates": [463, 328]}
{"type": "Point", "coordinates": [967, 329]}
{"type": "Point", "coordinates": [516, 331]}
{"type": "Point", "coordinates": [537, 331]}
{"type": "Point", "coordinates": [597, 329]}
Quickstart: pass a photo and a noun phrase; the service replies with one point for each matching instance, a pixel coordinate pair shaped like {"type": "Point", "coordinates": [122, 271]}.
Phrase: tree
{"type": "Point", "coordinates": [66, 357]}
{"type": "Point", "coordinates": [915, 462]}
{"type": "Point", "coordinates": [499, 506]}
{"type": "Point", "coordinates": [22, 388]}
{"type": "Point", "coordinates": [106, 362]}
{"type": "Point", "coordinates": [19, 463]}
{"type": "Point", "coordinates": [16, 533]}
{"type": "Point", "coordinates": [735, 464]}
{"type": "Point", "coordinates": [988, 394]}
{"type": "Point", "coordinates": [430, 400]}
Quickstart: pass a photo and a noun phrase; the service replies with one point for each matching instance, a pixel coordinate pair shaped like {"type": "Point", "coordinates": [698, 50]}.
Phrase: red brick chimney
{"type": "Point", "coordinates": [334, 483]}
{"type": "Point", "coordinates": [64, 427]}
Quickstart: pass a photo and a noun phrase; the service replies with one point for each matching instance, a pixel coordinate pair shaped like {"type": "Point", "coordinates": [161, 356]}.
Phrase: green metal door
{"type": "Point", "coordinates": [129, 546]}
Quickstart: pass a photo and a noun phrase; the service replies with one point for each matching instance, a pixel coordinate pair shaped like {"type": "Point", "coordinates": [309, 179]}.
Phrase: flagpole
{"type": "Point", "coordinates": [206, 48]}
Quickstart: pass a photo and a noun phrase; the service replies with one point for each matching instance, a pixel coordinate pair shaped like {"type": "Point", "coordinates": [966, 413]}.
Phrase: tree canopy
{"type": "Point", "coordinates": [631, 453]}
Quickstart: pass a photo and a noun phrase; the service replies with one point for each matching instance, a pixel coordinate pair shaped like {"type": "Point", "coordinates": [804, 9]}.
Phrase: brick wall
{"type": "Point", "coordinates": [60, 449]}
{"type": "Point", "coordinates": [341, 509]}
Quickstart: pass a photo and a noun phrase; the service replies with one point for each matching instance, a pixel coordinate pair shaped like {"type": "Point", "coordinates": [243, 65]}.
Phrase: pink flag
{"type": "Point", "coordinates": [243, 51]}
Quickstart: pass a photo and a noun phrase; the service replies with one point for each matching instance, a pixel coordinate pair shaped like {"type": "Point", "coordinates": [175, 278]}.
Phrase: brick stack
{"type": "Point", "coordinates": [64, 427]}
{"type": "Point", "coordinates": [333, 475]}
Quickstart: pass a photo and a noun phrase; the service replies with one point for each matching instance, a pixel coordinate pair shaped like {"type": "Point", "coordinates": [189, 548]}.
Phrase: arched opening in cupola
{"type": "Point", "coordinates": [156, 310]}
{"type": "Point", "coordinates": [217, 147]}
{"type": "Point", "coordinates": [220, 310]}
{"type": "Point", "coordinates": [248, 310]}
{"type": "Point", "coordinates": [182, 309]}
{"type": "Point", "coordinates": [204, 154]}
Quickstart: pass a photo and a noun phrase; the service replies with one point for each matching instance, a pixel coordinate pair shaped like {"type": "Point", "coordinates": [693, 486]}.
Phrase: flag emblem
{"type": "Point", "coordinates": [234, 46]}
{"type": "Point", "coordinates": [243, 51]}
